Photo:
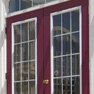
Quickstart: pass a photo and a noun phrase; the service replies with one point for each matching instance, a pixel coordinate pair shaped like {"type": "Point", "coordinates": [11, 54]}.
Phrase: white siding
{"type": "Point", "coordinates": [91, 44]}
{"type": "Point", "coordinates": [3, 10]}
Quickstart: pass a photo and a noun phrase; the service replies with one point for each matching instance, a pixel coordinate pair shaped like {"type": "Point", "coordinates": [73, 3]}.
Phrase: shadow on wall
{"type": "Point", "coordinates": [3, 47]}
{"type": "Point", "coordinates": [3, 91]}
{"type": "Point", "coordinates": [91, 38]}
{"type": "Point", "coordinates": [2, 39]}
{"type": "Point", "coordinates": [2, 62]}
{"type": "Point", "coordinates": [6, 3]}
{"type": "Point", "coordinates": [91, 57]}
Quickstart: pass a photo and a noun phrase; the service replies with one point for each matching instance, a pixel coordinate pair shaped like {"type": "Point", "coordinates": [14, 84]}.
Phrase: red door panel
{"type": "Point", "coordinates": [85, 41]}
{"type": "Point", "coordinates": [39, 48]}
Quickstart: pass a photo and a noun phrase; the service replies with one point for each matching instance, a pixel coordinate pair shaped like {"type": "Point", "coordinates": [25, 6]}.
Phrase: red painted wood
{"type": "Point", "coordinates": [43, 45]}
{"type": "Point", "coordinates": [39, 48]}
{"type": "Point", "coordinates": [85, 41]}
{"type": "Point", "coordinates": [85, 50]}
{"type": "Point", "coordinates": [9, 87]}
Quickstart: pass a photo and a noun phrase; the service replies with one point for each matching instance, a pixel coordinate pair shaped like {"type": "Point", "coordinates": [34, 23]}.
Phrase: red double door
{"type": "Point", "coordinates": [44, 67]}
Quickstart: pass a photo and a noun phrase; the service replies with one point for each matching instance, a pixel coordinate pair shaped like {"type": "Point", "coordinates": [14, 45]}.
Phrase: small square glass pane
{"type": "Point", "coordinates": [57, 46]}
{"type": "Point", "coordinates": [75, 85]}
{"type": "Point", "coordinates": [32, 70]}
{"type": "Point", "coordinates": [31, 50]}
{"type": "Point", "coordinates": [57, 24]}
{"type": "Point", "coordinates": [75, 20]}
{"type": "Point", "coordinates": [25, 4]}
{"type": "Point", "coordinates": [38, 2]}
{"type": "Point", "coordinates": [24, 51]}
{"type": "Point", "coordinates": [25, 71]}
{"type": "Point", "coordinates": [17, 34]}
{"type": "Point", "coordinates": [66, 44]}
{"type": "Point", "coordinates": [25, 32]}
{"type": "Point", "coordinates": [17, 72]}
{"type": "Point", "coordinates": [67, 86]}
{"type": "Point", "coordinates": [13, 5]}
{"type": "Point", "coordinates": [75, 43]}
{"type": "Point", "coordinates": [66, 22]}
{"type": "Point", "coordinates": [32, 87]}
{"type": "Point", "coordinates": [57, 67]}
{"type": "Point", "coordinates": [57, 86]}
{"type": "Point", "coordinates": [75, 65]}
{"type": "Point", "coordinates": [24, 87]}
{"type": "Point", "coordinates": [50, 0]}
{"type": "Point", "coordinates": [17, 88]}
{"type": "Point", "coordinates": [32, 30]}
{"type": "Point", "coordinates": [66, 66]}
{"type": "Point", "coordinates": [17, 53]}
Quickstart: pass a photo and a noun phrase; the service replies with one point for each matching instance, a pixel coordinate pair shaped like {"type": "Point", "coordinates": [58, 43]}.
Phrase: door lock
{"type": "Point", "coordinates": [45, 81]}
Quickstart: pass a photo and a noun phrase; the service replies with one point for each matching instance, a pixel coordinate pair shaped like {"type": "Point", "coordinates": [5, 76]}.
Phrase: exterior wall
{"type": "Point", "coordinates": [91, 44]}
{"type": "Point", "coordinates": [3, 12]}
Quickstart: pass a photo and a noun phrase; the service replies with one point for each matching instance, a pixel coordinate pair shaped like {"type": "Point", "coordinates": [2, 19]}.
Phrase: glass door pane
{"type": "Point", "coordinates": [24, 62]}
{"type": "Point", "coordinates": [66, 52]}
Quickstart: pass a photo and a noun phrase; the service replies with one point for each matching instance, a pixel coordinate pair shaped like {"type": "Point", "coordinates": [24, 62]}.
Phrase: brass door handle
{"type": "Point", "coordinates": [45, 81]}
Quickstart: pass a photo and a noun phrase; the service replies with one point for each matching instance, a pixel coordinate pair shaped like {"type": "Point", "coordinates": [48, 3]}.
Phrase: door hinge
{"type": "Point", "coordinates": [5, 30]}
{"type": "Point", "coordinates": [5, 75]}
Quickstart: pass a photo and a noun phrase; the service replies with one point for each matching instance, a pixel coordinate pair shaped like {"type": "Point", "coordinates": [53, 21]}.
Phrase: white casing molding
{"type": "Point", "coordinates": [3, 13]}
{"type": "Point", "coordinates": [91, 45]}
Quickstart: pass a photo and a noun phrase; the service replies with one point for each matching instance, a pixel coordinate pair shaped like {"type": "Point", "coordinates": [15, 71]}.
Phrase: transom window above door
{"type": "Point", "coordinates": [17, 5]}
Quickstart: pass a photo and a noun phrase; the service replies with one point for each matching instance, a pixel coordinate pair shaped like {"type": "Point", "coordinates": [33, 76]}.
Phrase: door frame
{"type": "Point", "coordinates": [12, 54]}
{"type": "Point", "coordinates": [80, 40]}
{"type": "Point", "coordinates": [58, 7]}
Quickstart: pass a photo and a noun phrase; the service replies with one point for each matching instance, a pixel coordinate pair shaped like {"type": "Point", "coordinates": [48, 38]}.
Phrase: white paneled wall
{"type": "Point", "coordinates": [91, 44]}
{"type": "Point", "coordinates": [3, 11]}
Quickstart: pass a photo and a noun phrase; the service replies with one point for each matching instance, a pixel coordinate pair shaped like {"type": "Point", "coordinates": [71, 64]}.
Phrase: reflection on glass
{"type": "Point", "coordinates": [75, 85]}
{"type": "Point", "coordinates": [17, 89]}
{"type": "Point", "coordinates": [50, 0]}
{"type": "Point", "coordinates": [57, 67]}
{"type": "Point", "coordinates": [24, 58]}
{"type": "Point", "coordinates": [25, 4]}
{"type": "Point", "coordinates": [66, 44]}
{"type": "Point", "coordinates": [25, 71]}
{"type": "Point", "coordinates": [32, 87]}
{"type": "Point", "coordinates": [57, 46]}
{"type": "Point", "coordinates": [17, 34]}
{"type": "Point", "coordinates": [38, 2]}
{"type": "Point", "coordinates": [17, 50]}
{"type": "Point", "coordinates": [67, 86]}
{"type": "Point", "coordinates": [17, 70]}
{"type": "Point", "coordinates": [75, 64]}
{"type": "Point", "coordinates": [13, 5]}
{"type": "Point", "coordinates": [32, 70]}
{"type": "Point", "coordinates": [75, 21]}
{"type": "Point", "coordinates": [66, 66]}
{"type": "Point", "coordinates": [66, 56]}
{"type": "Point", "coordinates": [25, 32]}
{"type": "Point", "coordinates": [31, 50]}
{"type": "Point", "coordinates": [66, 22]}
{"type": "Point", "coordinates": [24, 51]}
{"type": "Point", "coordinates": [57, 86]}
{"type": "Point", "coordinates": [25, 88]}
{"type": "Point", "coordinates": [75, 43]}
{"type": "Point", "coordinates": [32, 30]}
{"type": "Point", "coordinates": [57, 24]}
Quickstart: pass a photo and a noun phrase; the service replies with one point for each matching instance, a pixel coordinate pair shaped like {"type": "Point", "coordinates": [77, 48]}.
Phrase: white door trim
{"type": "Point", "coordinates": [12, 54]}
{"type": "Point", "coordinates": [51, 42]}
